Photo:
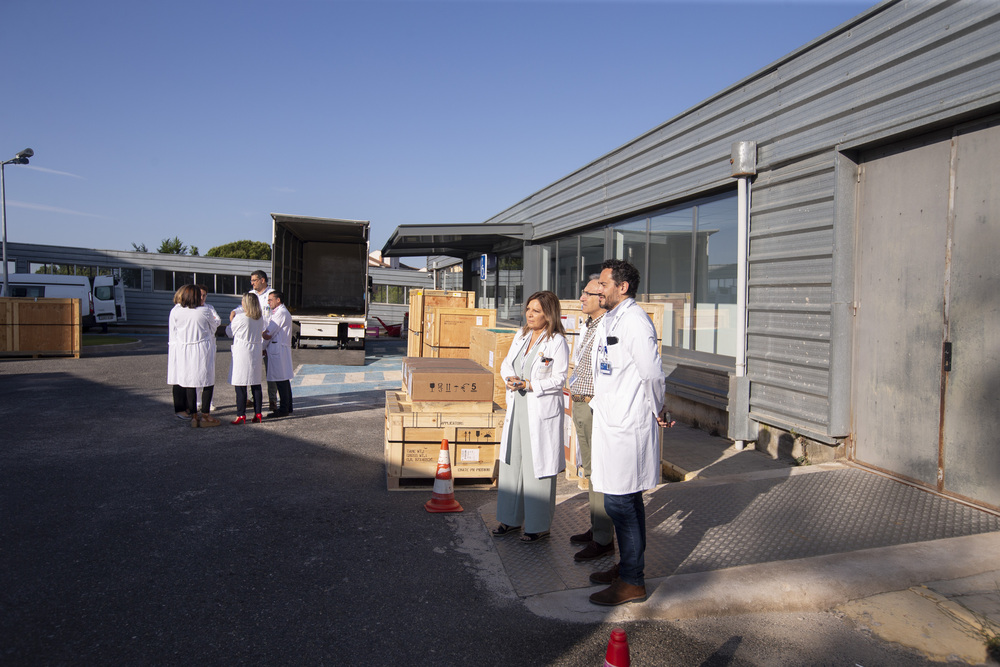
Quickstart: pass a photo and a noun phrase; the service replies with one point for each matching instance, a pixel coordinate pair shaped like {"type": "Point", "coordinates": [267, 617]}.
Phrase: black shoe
{"type": "Point", "coordinates": [273, 407]}
{"type": "Point", "coordinates": [594, 550]}
{"type": "Point", "coordinates": [607, 577]}
{"type": "Point", "coordinates": [582, 538]}
{"type": "Point", "coordinates": [277, 413]}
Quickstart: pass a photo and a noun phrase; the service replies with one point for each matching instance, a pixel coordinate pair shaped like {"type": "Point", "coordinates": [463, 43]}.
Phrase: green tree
{"type": "Point", "coordinates": [173, 246]}
{"type": "Point", "coordinates": [139, 247]}
{"type": "Point", "coordinates": [242, 250]}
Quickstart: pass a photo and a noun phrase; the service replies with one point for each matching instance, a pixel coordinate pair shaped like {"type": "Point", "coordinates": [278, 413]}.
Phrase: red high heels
{"type": "Point", "coordinates": [242, 419]}
{"type": "Point", "coordinates": [257, 418]}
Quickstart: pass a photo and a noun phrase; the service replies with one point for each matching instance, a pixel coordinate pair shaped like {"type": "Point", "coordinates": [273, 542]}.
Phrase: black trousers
{"type": "Point", "coordinates": [241, 400]}
{"type": "Point", "coordinates": [180, 398]}
{"type": "Point", "coordinates": [206, 399]}
{"type": "Point", "coordinates": [284, 396]}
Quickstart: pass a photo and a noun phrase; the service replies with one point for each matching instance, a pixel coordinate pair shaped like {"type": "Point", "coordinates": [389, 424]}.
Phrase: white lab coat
{"type": "Point", "coordinates": [191, 351]}
{"type": "Point", "coordinates": [545, 401]}
{"type": "Point", "coordinates": [625, 456]}
{"type": "Point", "coordinates": [279, 348]}
{"type": "Point", "coordinates": [247, 347]}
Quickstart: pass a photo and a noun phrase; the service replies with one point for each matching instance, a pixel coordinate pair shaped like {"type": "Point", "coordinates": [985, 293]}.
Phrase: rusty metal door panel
{"type": "Point", "coordinates": [972, 395]}
{"type": "Point", "coordinates": [899, 325]}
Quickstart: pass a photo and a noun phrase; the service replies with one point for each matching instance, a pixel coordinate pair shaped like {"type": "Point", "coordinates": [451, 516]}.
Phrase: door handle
{"type": "Point", "coordinates": [946, 356]}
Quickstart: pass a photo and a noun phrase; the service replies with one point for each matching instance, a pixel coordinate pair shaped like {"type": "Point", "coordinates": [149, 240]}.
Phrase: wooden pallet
{"type": "Point", "coordinates": [426, 484]}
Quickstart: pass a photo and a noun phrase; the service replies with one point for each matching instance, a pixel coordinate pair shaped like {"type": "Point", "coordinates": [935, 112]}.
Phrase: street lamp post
{"type": "Point", "coordinates": [20, 158]}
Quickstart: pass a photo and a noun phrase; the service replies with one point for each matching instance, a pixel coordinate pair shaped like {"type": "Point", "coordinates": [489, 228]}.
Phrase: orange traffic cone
{"type": "Point", "coordinates": [443, 498]}
{"type": "Point", "coordinates": [617, 655]}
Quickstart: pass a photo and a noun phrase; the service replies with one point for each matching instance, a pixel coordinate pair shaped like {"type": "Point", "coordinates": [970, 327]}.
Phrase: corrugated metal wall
{"type": "Point", "coordinates": [897, 69]}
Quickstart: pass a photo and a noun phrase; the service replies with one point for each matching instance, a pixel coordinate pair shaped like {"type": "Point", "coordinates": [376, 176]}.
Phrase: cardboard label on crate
{"type": "Point", "coordinates": [420, 454]}
{"type": "Point", "coordinates": [468, 455]}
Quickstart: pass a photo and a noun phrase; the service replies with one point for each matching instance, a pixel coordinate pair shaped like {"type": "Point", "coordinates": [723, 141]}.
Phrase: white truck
{"type": "Point", "coordinates": [102, 299]}
{"type": "Point", "coordinates": [321, 266]}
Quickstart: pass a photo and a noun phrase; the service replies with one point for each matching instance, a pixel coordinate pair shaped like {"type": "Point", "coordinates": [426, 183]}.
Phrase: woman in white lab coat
{"type": "Point", "coordinates": [191, 363]}
{"type": "Point", "coordinates": [246, 326]}
{"type": "Point", "coordinates": [531, 445]}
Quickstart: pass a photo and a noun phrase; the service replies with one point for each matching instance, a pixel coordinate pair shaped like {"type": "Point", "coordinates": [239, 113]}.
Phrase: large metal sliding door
{"type": "Point", "coordinates": [927, 358]}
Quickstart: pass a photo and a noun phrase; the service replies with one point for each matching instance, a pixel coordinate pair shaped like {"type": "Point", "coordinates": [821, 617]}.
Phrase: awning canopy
{"type": "Point", "coordinates": [464, 241]}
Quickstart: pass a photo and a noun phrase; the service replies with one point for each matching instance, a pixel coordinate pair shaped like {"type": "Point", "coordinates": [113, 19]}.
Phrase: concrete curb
{"type": "Point", "coordinates": [807, 584]}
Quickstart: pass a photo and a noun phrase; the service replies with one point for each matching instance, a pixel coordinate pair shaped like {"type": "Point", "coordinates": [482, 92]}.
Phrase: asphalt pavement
{"type": "Point", "coordinates": [127, 537]}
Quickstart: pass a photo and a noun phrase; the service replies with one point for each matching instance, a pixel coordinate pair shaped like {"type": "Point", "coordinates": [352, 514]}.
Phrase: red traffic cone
{"type": "Point", "coordinates": [443, 498]}
{"type": "Point", "coordinates": [617, 655]}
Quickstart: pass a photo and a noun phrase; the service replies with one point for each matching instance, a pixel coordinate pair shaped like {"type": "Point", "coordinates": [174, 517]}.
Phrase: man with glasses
{"type": "Point", "coordinates": [599, 538]}
{"type": "Point", "coordinates": [258, 280]}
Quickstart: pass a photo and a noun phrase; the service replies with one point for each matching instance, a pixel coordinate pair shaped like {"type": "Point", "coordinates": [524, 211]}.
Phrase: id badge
{"type": "Point", "coordinates": [605, 368]}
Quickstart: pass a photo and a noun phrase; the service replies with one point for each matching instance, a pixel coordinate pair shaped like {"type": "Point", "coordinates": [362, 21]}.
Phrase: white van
{"type": "Point", "coordinates": [108, 306]}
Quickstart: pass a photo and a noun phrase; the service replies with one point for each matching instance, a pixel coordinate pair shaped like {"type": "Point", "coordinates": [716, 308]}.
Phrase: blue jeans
{"type": "Point", "coordinates": [629, 516]}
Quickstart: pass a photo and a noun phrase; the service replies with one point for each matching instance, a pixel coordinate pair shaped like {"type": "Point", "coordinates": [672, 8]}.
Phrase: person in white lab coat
{"type": "Point", "coordinates": [258, 280]}
{"type": "Point", "coordinates": [192, 363]}
{"type": "Point", "coordinates": [531, 444]}
{"type": "Point", "coordinates": [278, 340]}
{"type": "Point", "coordinates": [629, 387]}
{"type": "Point", "coordinates": [246, 328]}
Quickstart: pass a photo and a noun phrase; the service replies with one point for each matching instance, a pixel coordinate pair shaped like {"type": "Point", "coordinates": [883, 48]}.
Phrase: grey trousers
{"type": "Point", "coordinates": [600, 522]}
{"type": "Point", "coordinates": [522, 498]}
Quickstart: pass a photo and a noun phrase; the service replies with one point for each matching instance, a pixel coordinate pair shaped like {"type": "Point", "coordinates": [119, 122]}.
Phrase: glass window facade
{"type": "Point", "coordinates": [397, 294]}
{"type": "Point", "coordinates": [686, 256]}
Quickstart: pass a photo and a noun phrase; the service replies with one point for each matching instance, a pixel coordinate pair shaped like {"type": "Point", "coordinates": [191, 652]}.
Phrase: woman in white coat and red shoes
{"type": "Point", "coordinates": [531, 446]}
{"type": "Point", "coordinates": [192, 362]}
{"type": "Point", "coordinates": [246, 326]}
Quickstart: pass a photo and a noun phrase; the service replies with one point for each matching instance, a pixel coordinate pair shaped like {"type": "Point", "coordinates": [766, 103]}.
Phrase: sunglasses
{"type": "Point", "coordinates": [592, 293]}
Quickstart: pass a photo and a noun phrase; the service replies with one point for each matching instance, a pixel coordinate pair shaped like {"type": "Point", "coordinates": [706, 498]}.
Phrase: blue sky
{"type": "Point", "coordinates": [198, 119]}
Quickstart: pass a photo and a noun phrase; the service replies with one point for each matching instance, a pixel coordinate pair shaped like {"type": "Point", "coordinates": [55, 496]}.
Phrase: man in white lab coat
{"type": "Point", "coordinates": [258, 280]}
{"type": "Point", "coordinates": [629, 387]}
{"type": "Point", "coordinates": [278, 340]}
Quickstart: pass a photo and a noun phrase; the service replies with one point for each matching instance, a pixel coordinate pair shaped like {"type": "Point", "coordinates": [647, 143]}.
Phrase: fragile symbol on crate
{"type": "Point", "coordinates": [447, 387]}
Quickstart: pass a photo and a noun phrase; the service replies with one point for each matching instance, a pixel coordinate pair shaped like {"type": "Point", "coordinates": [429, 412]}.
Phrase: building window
{"type": "Point", "coordinates": [691, 269]}
{"type": "Point", "coordinates": [686, 257]}
{"type": "Point", "coordinates": [225, 284]}
{"type": "Point", "coordinates": [132, 278]}
{"type": "Point", "coordinates": [394, 294]}
{"type": "Point", "coordinates": [206, 280]}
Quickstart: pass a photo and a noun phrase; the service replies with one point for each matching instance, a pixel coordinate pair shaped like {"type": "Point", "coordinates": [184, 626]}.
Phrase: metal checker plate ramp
{"type": "Point", "coordinates": [698, 528]}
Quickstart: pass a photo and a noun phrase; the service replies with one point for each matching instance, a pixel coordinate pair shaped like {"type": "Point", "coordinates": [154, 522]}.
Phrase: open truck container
{"type": "Point", "coordinates": [321, 266]}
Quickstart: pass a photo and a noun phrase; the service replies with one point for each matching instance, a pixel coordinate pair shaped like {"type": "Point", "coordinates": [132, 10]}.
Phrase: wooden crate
{"type": "Point", "coordinates": [447, 331]}
{"type": "Point", "coordinates": [488, 348]}
{"type": "Point", "coordinates": [413, 435]}
{"type": "Point", "coordinates": [574, 321]}
{"type": "Point", "coordinates": [32, 327]}
{"type": "Point", "coordinates": [437, 380]}
{"type": "Point", "coordinates": [420, 300]}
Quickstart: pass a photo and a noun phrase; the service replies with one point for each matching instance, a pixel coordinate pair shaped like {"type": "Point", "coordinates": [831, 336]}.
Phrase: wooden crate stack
{"type": "Point", "coordinates": [422, 300]}
{"type": "Point", "coordinates": [488, 348]}
{"type": "Point", "coordinates": [447, 331]}
{"type": "Point", "coordinates": [442, 399]}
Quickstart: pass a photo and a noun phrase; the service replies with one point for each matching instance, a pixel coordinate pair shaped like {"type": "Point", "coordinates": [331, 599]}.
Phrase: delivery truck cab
{"type": "Point", "coordinates": [101, 302]}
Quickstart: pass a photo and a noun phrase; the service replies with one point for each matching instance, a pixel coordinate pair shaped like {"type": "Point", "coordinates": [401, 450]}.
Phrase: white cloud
{"type": "Point", "coordinates": [53, 171]}
{"type": "Point", "coordinates": [53, 209]}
